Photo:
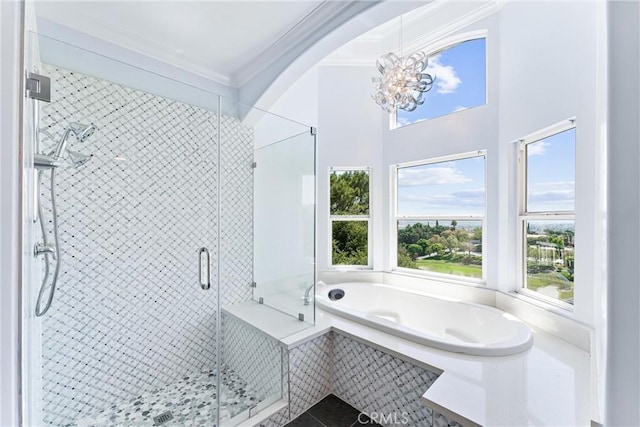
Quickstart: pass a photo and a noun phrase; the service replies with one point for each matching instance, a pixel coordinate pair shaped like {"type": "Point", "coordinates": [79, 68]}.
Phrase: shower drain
{"type": "Point", "coordinates": [162, 418]}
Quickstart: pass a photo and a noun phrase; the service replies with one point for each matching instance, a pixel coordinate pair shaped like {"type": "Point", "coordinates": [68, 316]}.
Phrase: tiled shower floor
{"type": "Point", "coordinates": [191, 400]}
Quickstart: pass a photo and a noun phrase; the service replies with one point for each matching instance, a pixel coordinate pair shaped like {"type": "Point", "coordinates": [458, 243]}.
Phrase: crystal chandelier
{"type": "Point", "coordinates": [403, 81]}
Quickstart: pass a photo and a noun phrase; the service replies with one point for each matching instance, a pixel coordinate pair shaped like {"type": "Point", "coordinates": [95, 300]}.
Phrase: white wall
{"type": "Point", "coordinates": [547, 75]}
{"type": "Point", "coordinates": [350, 130]}
{"type": "Point", "coordinates": [623, 329]}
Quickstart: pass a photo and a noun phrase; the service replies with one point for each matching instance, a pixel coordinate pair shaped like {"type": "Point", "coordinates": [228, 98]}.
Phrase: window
{"type": "Point", "coordinates": [460, 82]}
{"type": "Point", "coordinates": [349, 217]}
{"type": "Point", "coordinates": [440, 207]}
{"type": "Point", "coordinates": [547, 205]}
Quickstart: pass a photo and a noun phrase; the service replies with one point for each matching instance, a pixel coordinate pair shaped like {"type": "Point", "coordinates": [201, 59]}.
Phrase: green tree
{"type": "Point", "coordinates": [350, 243]}
{"type": "Point", "coordinates": [349, 192]}
{"type": "Point", "coordinates": [404, 260]}
{"type": "Point", "coordinates": [415, 250]}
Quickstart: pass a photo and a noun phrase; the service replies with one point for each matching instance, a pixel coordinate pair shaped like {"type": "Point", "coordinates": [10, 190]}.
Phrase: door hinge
{"type": "Point", "coordinates": [38, 87]}
{"type": "Point", "coordinates": [254, 165]}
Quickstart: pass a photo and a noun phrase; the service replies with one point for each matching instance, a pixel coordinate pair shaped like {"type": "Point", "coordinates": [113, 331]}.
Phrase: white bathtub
{"type": "Point", "coordinates": [438, 322]}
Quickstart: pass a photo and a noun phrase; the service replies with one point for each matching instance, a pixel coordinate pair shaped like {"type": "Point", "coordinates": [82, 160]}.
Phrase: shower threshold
{"type": "Point", "coordinates": [190, 401]}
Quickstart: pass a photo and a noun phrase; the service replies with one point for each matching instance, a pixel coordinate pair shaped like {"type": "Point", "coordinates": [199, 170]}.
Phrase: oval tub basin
{"type": "Point", "coordinates": [437, 322]}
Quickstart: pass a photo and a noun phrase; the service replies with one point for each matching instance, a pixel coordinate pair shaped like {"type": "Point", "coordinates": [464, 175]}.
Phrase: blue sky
{"type": "Point", "coordinates": [551, 173]}
{"type": "Point", "coordinates": [460, 82]}
{"type": "Point", "coordinates": [446, 188]}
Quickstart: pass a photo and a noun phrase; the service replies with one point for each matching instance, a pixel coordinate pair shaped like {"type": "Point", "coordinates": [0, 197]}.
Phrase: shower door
{"type": "Point", "coordinates": [130, 336]}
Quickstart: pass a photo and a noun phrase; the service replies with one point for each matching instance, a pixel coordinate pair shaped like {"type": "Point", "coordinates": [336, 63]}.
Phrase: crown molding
{"type": "Point", "coordinates": [455, 25]}
{"type": "Point", "coordinates": [364, 51]}
{"type": "Point", "coordinates": [120, 37]}
{"type": "Point", "coordinates": [310, 29]}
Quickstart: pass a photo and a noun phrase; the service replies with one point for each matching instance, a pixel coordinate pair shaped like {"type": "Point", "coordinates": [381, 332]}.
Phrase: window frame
{"type": "Point", "coordinates": [439, 46]}
{"type": "Point", "coordinates": [333, 218]}
{"type": "Point", "coordinates": [523, 215]}
{"type": "Point", "coordinates": [396, 217]}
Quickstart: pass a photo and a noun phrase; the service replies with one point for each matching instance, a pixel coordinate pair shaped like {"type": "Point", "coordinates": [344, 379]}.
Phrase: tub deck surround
{"type": "Point", "coordinates": [438, 322]}
{"type": "Point", "coordinates": [547, 385]}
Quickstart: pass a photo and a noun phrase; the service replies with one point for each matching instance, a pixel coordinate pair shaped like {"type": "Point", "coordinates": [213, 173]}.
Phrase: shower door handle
{"type": "Point", "coordinates": [204, 281]}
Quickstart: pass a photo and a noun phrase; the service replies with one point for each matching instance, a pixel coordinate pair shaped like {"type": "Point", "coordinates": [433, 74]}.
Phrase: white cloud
{"type": "Point", "coordinates": [470, 194]}
{"type": "Point", "coordinates": [431, 175]}
{"type": "Point", "coordinates": [552, 195]}
{"type": "Point", "coordinates": [461, 202]}
{"type": "Point", "coordinates": [537, 148]}
{"type": "Point", "coordinates": [459, 108]}
{"type": "Point", "coordinates": [447, 81]}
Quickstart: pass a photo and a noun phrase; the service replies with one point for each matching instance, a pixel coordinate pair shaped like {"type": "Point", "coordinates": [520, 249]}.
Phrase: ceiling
{"type": "Point", "coordinates": [248, 45]}
{"type": "Point", "coordinates": [225, 41]}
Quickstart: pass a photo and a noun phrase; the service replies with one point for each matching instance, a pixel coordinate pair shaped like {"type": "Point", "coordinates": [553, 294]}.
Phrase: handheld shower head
{"type": "Point", "coordinates": [81, 132]}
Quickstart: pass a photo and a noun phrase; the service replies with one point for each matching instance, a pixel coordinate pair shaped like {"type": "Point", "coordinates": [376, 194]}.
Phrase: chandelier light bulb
{"type": "Point", "coordinates": [402, 83]}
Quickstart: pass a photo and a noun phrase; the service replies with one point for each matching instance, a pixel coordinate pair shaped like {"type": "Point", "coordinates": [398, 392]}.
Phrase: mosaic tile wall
{"type": "Point", "coordinates": [311, 373]}
{"type": "Point", "coordinates": [252, 355]}
{"type": "Point", "coordinates": [376, 382]}
{"type": "Point", "coordinates": [368, 379]}
{"type": "Point", "coordinates": [129, 315]}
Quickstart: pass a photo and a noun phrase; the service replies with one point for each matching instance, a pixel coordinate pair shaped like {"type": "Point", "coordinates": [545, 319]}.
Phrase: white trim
{"type": "Point", "coordinates": [334, 218]}
{"type": "Point", "coordinates": [551, 130]}
{"type": "Point", "coordinates": [524, 216]}
{"type": "Point", "coordinates": [450, 43]}
{"type": "Point", "coordinates": [393, 232]}
{"type": "Point", "coordinates": [438, 46]}
{"type": "Point", "coordinates": [12, 16]}
{"type": "Point", "coordinates": [442, 159]}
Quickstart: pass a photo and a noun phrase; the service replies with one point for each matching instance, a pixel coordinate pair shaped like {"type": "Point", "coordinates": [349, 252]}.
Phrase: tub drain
{"type": "Point", "coordinates": [336, 294]}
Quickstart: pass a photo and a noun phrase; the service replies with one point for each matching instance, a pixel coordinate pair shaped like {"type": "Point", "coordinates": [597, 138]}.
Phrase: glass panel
{"type": "Point", "coordinates": [349, 192]}
{"type": "Point", "coordinates": [460, 83]}
{"type": "Point", "coordinates": [284, 222]}
{"type": "Point", "coordinates": [447, 188]}
{"type": "Point", "coordinates": [441, 246]}
{"type": "Point", "coordinates": [551, 173]}
{"type": "Point", "coordinates": [155, 203]}
{"type": "Point", "coordinates": [550, 249]}
{"type": "Point", "coordinates": [135, 199]}
{"type": "Point", "coordinates": [350, 242]}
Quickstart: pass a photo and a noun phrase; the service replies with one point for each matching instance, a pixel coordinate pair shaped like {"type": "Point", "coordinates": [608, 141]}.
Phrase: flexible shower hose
{"type": "Point", "coordinates": [52, 290]}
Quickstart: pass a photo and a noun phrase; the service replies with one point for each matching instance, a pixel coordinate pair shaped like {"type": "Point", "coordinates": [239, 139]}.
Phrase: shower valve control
{"type": "Point", "coordinates": [44, 249]}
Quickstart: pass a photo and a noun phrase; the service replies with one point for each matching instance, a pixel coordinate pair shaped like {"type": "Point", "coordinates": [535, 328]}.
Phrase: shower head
{"type": "Point", "coordinates": [82, 132]}
{"type": "Point", "coordinates": [78, 159]}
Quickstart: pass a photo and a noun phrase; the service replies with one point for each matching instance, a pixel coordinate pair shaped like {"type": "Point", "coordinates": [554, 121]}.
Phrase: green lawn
{"type": "Point", "coordinates": [537, 280]}
{"type": "Point", "coordinates": [448, 267]}
{"type": "Point", "coordinates": [534, 281]}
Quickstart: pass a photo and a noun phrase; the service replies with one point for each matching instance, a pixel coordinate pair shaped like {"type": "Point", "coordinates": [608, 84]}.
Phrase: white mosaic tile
{"type": "Point", "coordinates": [253, 355]}
{"type": "Point", "coordinates": [311, 373]}
{"type": "Point", "coordinates": [129, 316]}
{"type": "Point", "coordinates": [376, 382]}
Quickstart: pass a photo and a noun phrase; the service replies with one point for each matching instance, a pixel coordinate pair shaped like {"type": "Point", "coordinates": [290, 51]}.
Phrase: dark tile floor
{"type": "Point", "coordinates": [332, 412]}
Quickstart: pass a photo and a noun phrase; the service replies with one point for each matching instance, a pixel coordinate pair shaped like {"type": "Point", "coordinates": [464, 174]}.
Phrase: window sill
{"type": "Point", "coordinates": [549, 317]}
{"type": "Point", "coordinates": [447, 278]}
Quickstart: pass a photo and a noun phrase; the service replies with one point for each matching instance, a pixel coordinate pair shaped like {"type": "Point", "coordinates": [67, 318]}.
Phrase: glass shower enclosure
{"type": "Point", "coordinates": [152, 209]}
